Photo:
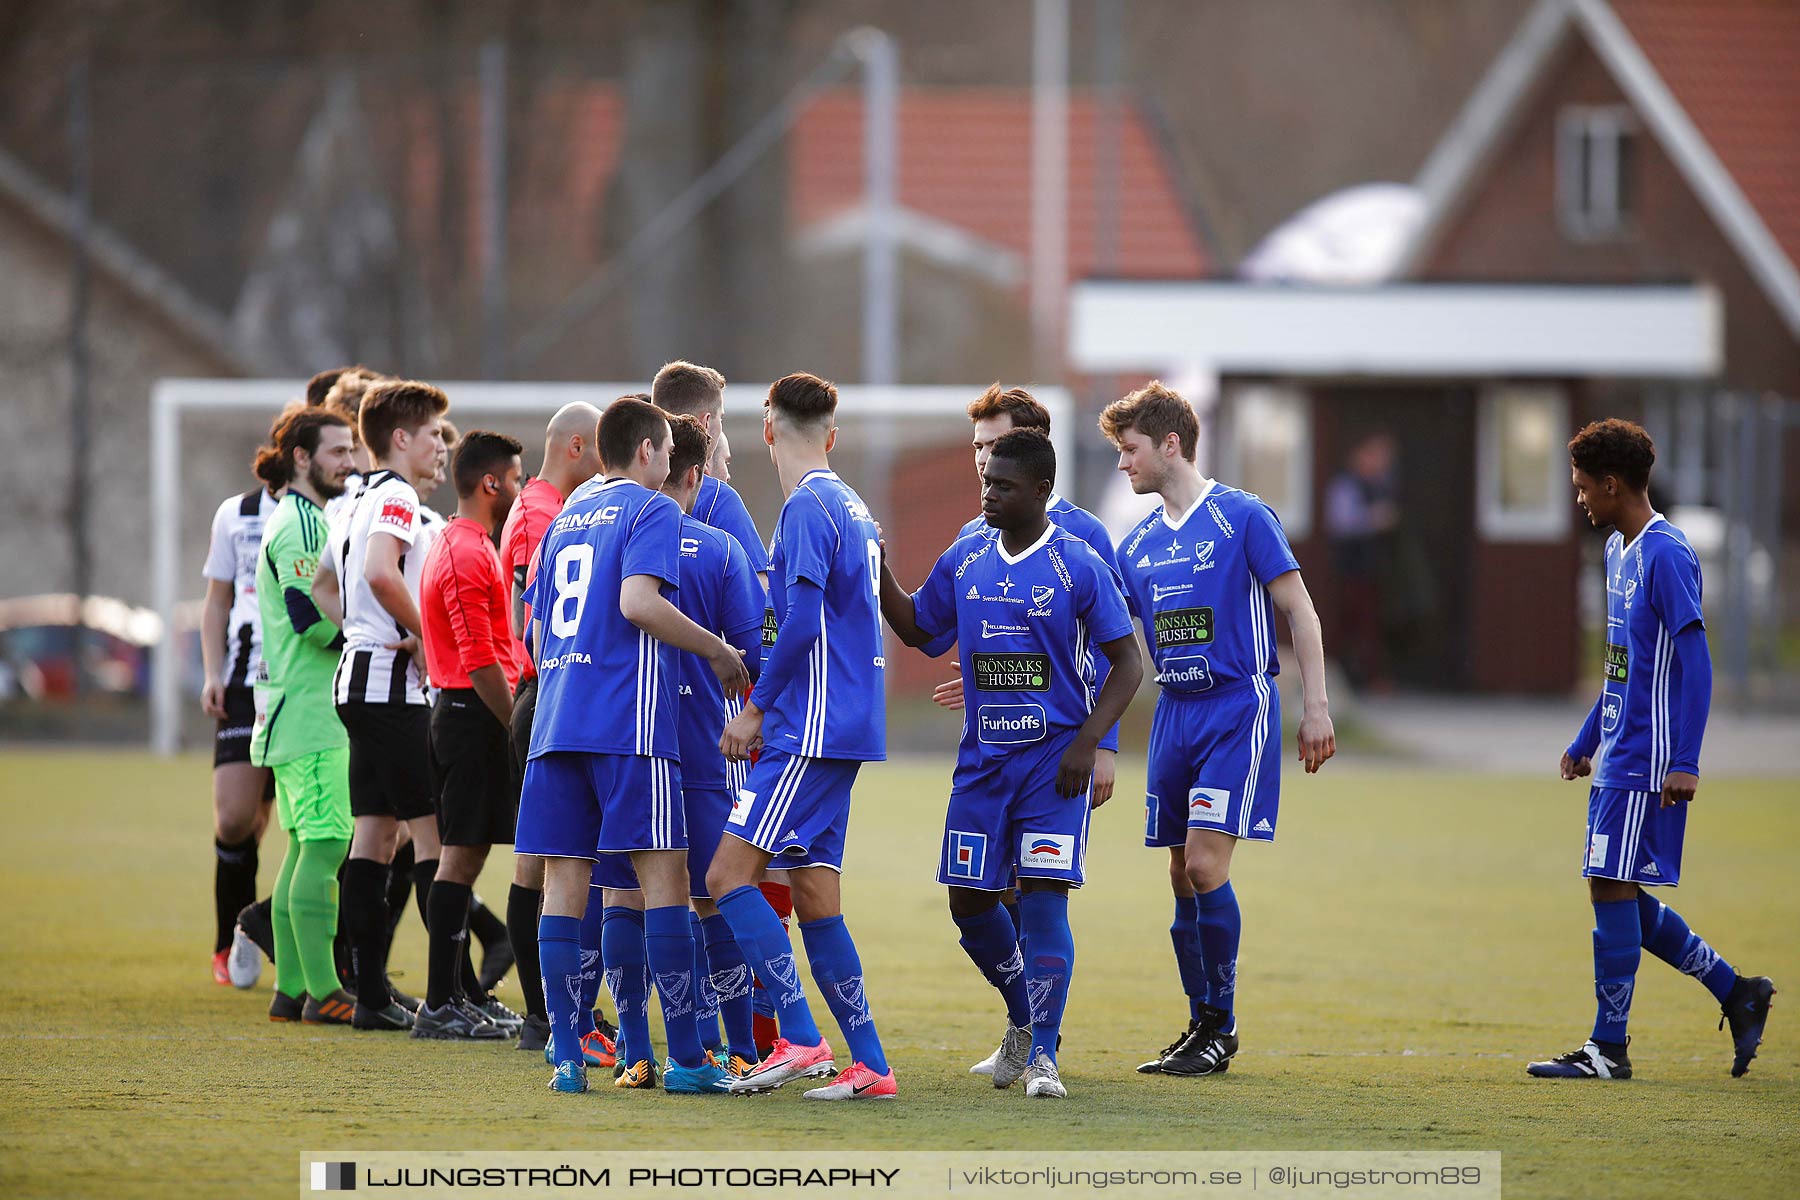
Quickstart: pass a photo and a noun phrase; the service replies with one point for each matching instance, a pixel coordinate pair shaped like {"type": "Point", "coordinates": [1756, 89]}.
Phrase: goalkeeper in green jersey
{"type": "Point", "coordinates": [297, 731]}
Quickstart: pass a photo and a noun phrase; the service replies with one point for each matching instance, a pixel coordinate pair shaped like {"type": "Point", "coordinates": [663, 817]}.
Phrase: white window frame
{"type": "Point", "coordinates": [1548, 522]}
{"type": "Point", "coordinates": [1297, 524]}
{"type": "Point", "coordinates": [1590, 179]}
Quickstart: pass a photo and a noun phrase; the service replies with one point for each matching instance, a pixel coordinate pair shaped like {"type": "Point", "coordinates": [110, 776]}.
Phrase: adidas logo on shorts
{"type": "Point", "coordinates": [1263, 826]}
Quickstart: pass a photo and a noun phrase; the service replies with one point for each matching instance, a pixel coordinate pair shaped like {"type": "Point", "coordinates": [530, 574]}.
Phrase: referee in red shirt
{"type": "Point", "coordinates": [474, 661]}
{"type": "Point", "coordinates": [571, 458]}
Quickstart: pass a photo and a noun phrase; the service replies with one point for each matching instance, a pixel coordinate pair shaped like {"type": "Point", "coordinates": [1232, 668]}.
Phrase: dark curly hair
{"type": "Point", "coordinates": [1617, 448]}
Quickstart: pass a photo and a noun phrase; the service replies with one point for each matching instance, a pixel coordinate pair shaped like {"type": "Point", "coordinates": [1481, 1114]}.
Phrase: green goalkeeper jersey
{"type": "Point", "coordinates": [294, 712]}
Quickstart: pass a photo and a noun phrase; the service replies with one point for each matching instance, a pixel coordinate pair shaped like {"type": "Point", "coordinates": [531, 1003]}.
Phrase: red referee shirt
{"type": "Point", "coordinates": [531, 514]}
{"type": "Point", "coordinates": [464, 597]}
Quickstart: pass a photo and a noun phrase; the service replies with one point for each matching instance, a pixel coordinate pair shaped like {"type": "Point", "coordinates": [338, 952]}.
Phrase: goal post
{"type": "Point", "coordinates": [896, 447]}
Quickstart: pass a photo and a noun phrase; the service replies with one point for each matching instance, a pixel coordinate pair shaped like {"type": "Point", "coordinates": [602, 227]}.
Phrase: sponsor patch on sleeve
{"type": "Point", "coordinates": [396, 513]}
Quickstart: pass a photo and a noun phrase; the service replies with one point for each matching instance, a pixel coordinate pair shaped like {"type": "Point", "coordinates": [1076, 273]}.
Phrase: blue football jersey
{"type": "Point", "coordinates": [604, 685]}
{"type": "Point", "coordinates": [1071, 518]}
{"type": "Point", "coordinates": [719, 592]}
{"type": "Point", "coordinates": [1199, 584]}
{"type": "Point", "coordinates": [1025, 629]}
{"type": "Point", "coordinates": [719, 505]}
{"type": "Point", "coordinates": [838, 709]}
{"type": "Point", "coordinates": [1652, 594]}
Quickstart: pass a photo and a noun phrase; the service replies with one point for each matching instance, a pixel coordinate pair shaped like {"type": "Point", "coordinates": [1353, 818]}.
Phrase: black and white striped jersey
{"type": "Point", "coordinates": [368, 672]}
{"type": "Point", "coordinates": [237, 531]}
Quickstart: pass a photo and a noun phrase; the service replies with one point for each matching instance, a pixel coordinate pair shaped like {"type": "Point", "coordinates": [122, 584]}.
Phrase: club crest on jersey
{"type": "Point", "coordinates": [966, 855]}
{"type": "Point", "coordinates": [1053, 850]}
{"type": "Point", "coordinates": [1203, 557]}
{"type": "Point", "coordinates": [1040, 598]}
{"type": "Point", "coordinates": [1208, 805]}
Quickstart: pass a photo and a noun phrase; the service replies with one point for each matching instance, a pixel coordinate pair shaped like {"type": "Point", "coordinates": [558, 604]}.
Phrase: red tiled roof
{"type": "Point", "coordinates": [1734, 66]}
{"type": "Point", "coordinates": [965, 159]}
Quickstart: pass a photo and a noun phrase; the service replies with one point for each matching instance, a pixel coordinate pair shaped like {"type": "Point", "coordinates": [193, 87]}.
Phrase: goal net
{"type": "Point", "coordinates": [905, 449]}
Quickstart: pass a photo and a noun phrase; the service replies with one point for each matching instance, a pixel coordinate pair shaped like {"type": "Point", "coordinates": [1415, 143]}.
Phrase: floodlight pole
{"type": "Point", "coordinates": [880, 60]}
{"type": "Point", "coordinates": [1049, 182]}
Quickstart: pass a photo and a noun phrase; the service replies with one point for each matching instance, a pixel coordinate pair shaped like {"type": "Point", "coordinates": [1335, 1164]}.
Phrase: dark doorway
{"type": "Point", "coordinates": [1422, 578]}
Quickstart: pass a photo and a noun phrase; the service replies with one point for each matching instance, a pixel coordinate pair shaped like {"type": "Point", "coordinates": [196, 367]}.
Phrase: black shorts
{"type": "Point", "coordinates": [471, 755]}
{"type": "Point", "coordinates": [390, 759]}
{"type": "Point", "coordinates": [524, 708]}
{"type": "Point", "coordinates": [231, 742]}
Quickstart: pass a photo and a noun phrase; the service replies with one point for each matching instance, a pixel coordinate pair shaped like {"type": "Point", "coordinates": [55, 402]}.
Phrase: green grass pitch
{"type": "Point", "coordinates": [1409, 944]}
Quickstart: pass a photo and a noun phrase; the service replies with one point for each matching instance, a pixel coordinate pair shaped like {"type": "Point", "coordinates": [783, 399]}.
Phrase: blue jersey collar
{"type": "Point", "coordinates": [1648, 525]}
{"type": "Point", "coordinates": [1009, 560]}
{"type": "Point", "coordinates": [1205, 491]}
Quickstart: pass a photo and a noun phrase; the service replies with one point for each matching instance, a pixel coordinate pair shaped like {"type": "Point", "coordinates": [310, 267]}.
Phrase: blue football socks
{"type": "Point", "coordinates": [1221, 925]}
{"type": "Point", "coordinates": [838, 972]}
{"type": "Point", "coordinates": [1668, 937]}
{"type": "Point", "coordinates": [731, 985]}
{"type": "Point", "coordinates": [706, 1000]}
{"type": "Point", "coordinates": [591, 960]}
{"type": "Point", "coordinates": [992, 944]}
{"type": "Point", "coordinates": [1184, 934]}
{"type": "Point", "coordinates": [1049, 961]}
{"type": "Point", "coordinates": [1618, 938]}
{"type": "Point", "coordinates": [670, 948]}
{"type": "Point", "coordinates": [765, 945]}
{"type": "Point", "coordinates": [622, 946]}
{"type": "Point", "coordinates": [559, 954]}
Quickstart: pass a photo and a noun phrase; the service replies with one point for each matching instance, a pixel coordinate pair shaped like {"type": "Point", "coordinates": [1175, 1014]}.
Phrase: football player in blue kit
{"type": "Point", "coordinates": [1024, 600]}
{"type": "Point", "coordinates": [1205, 574]}
{"type": "Point", "coordinates": [822, 691]}
{"type": "Point", "coordinates": [607, 635]}
{"type": "Point", "coordinates": [1641, 742]}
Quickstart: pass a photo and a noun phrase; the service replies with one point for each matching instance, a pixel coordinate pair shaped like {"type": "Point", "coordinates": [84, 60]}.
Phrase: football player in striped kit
{"type": "Point", "coordinates": [1205, 574]}
{"type": "Point", "coordinates": [231, 651]}
{"type": "Point", "coordinates": [1641, 743]}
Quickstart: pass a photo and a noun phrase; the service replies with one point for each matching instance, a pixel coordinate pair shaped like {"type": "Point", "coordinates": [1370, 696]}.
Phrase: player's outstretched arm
{"type": "Point", "coordinates": [642, 603]}
{"type": "Point", "coordinates": [1076, 769]}
{"type": "Point", "coordinates": [215, 615]}
{"type": "Point", "coordinates": [898, 609]}
{"type": "Point", "coordinates": [1317, 739]}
